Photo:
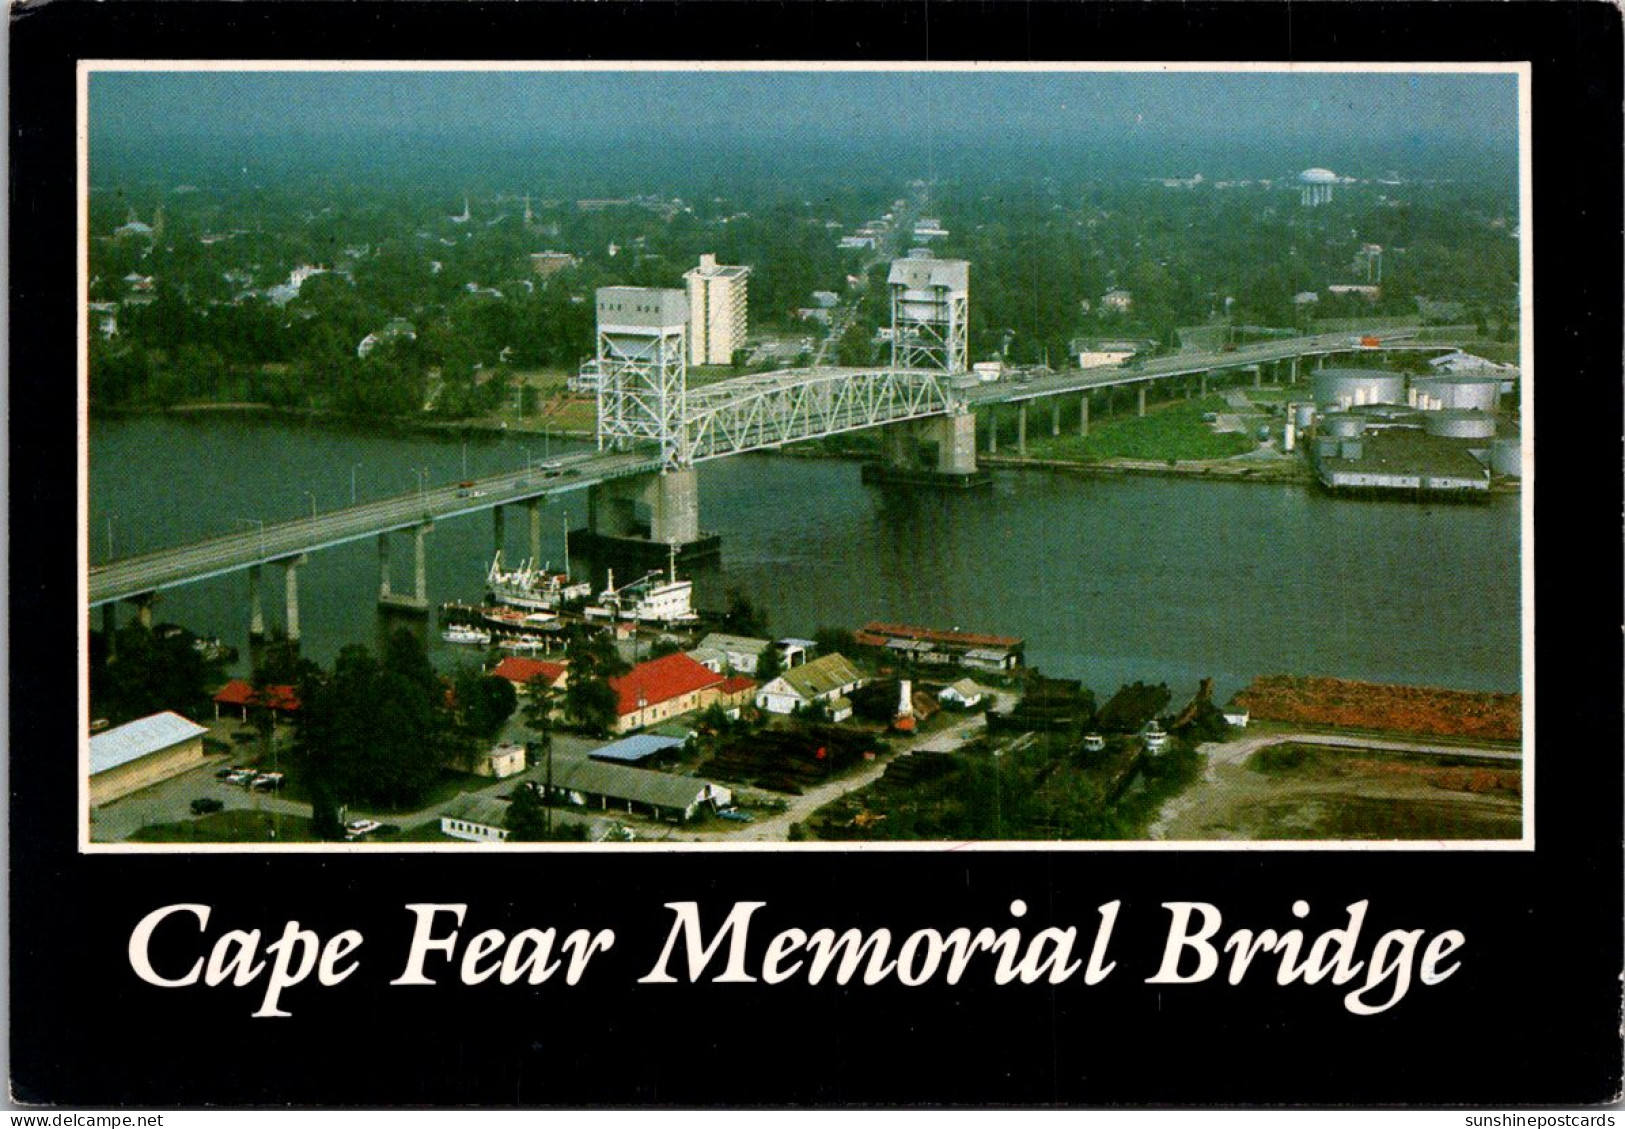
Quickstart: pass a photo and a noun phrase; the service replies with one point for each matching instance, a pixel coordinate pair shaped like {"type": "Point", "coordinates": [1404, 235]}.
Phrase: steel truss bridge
{"type": "Point", "coordinates": [750, 413]}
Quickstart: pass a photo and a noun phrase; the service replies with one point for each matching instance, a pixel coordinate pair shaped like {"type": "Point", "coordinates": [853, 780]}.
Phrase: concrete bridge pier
{"type": "Point", "coordinates": [418, 599]}
{"type": "Point", "coordinates": [256, 610]}
{"type": "Point", "coordinates": [420, 565]}
{"type": "Point", "coordinates": [1258, 376]}
{"type": "Point", "coordinates": [954, 437]}
{"type": "Point", "coordinates": [1142, 399]}
{"type": "Point", "coordinates": [1054, 417]}
{"type": "Point", "coordinates": [534, 510]}
{"type": "Point", "coordinates": [1203, 392]}
{"type": "Point", "coordinates": [499, 529]}
{"type": "Point", "coordinates": [633, 522]}
{"type": "Point", "coordinates": [1083, 416]}
{"type": "Point", "coordinates": [1293, 373]}
{"type": "Point", "coordinates": [1021, 429]}
{"type": "Point", "coordinates": [290, 581]}
{"type": "Point", "coordinates": [993, 429]}
{"type": "Point", "coordinates": [143, 608]}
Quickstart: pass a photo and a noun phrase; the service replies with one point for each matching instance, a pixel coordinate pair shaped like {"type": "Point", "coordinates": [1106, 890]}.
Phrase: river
{"type": "Point", "coordinates": [1109, 579]}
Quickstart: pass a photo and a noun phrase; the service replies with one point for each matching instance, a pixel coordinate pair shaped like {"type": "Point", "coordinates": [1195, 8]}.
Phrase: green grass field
{"type": "Point", "coordinates": [236, 826]}
{"type": "Point", "coordinates": [1175, 431]}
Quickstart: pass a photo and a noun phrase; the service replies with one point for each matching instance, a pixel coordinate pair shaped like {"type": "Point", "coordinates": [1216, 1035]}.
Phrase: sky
{"type": "Point", "coordinates": [574, 107]}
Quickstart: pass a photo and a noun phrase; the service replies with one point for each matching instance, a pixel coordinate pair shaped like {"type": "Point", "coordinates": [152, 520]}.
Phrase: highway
{"type": "Point", "coordinates": [184, 564]}
{"type": "Point", "coordinates": [1008, 391]}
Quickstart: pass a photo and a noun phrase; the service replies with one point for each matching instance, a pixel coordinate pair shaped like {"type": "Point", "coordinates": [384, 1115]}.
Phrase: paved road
{"type": "Point", "coordinates": [257, 544]}
{"type": "Point", "coordinates": [1237, 751]}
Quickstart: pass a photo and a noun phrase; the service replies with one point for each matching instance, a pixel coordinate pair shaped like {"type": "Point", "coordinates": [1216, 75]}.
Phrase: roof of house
{"type": "Point", "coordinates": [240, 692]}
{"type": "Point", "coordinates": [636, 748]}
{"type": "Point", "coordinates": [521, 670]}
{"type": "Point", "coordinates": [738, 684]}
{"type": "Point", "coordinates": [935, 635]}
{"type": "Point", "coordinates": [739, 643]}
{"type": "Point", "coordinates": [139, 738]}
{"type": "Point", "coordinates": [707, 655]}
{"type": "Point", "coordinates": [821, 676]}
{"type": "Point", "coordinates": [622, 782]}
{"type": "Point", "coordinates": [660, 680]}
{"type": "Point", "coordinates": [965, 688]}
{"type": "Point", "coordinates": [472, 808]}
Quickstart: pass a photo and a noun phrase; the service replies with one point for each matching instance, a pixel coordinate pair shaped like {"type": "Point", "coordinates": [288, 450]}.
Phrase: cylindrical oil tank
{"type": "Point", "coordinates": [1304, 416]}
{"type": "Point", "coordinates": [1506, 456]}
{"type": "Point", "coordinates": [1459, 423]}
{"type": "Point", "coordinates": [1326, 446]}
{"type": "Point", "coordinates": [1342, 424]}
{"type": "Point", "coordinates": [1350, 448]}
{"type": "Point", "coordinates": [1460, 390]}
{"type": "Point", "coordinates": [1349, 386]}
{"type": "Point", "coordinates": [1289, 436]}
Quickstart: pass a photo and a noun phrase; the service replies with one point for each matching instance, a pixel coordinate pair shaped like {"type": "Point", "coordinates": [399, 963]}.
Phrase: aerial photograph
{"type": "Point", "coordinates": [717, 457]}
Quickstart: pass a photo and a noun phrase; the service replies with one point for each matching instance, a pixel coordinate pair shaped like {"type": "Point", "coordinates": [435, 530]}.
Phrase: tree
{"type": "Point", "coordinates": [540, 702]}
{"type": "Point", "coordinates": [743, 617]}
{"type": "Point", "coordinates": [485, 702]}
{"type": "Point", "coordinates": [835, 641]}
{"type": "Point", "coordinates": [769, 665]}
{"type": "Point", "coordinates": [590, 701]}
{"type": "Point", "coordinates": [376, 732]}
{"type": "Point", "coordinates": [528, 818]}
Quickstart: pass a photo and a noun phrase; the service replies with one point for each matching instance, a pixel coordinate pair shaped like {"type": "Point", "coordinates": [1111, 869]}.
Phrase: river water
{"type": "Point", "coordinates": [1108, 579]}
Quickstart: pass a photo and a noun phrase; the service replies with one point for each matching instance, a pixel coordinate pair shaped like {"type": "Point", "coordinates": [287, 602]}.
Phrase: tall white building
{"type": "Point", "coordinates": [717, 304]}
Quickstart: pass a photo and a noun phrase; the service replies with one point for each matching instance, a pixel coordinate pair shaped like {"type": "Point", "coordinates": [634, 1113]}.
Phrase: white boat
{"type": "Point", "coordinates": [537, 589]}
{"type": "Point", "coordinates": [460, 633]}
{"type": "Point", "coordinates": [522, 622]}
{"type": "Point", "coordinates": [523, 646]}
{"type": "Point", "coordinates": [652, 599]}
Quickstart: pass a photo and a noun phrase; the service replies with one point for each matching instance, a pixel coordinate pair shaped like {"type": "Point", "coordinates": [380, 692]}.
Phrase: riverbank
{"type": "Point", "coordinates": [395, 425]}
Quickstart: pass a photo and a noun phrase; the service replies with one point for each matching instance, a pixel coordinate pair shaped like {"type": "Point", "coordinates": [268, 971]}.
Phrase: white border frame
{"type": "Point", "coordinates": [1527, 367]}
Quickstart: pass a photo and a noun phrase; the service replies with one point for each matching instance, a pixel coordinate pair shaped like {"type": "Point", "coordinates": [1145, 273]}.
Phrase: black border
{"type": "Point", "coordinates": [1532, 1018]}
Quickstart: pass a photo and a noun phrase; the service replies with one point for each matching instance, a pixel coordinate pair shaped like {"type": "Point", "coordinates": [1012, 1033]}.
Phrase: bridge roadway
{"type": "Point", "coordinates": [1190, 364]}
{"type": "Point", "coordinates": [184, 564]}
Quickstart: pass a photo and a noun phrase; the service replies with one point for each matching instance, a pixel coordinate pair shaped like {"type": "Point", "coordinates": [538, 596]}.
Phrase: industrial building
{"type": "Point", "coordinates": [676, 799]}
{"type": "Point", "coordinates": [933, 646]}
{"type": "Point", "coordinates": [827, 680]}
{"type": "Point", "coordinates": [664, 688]}
{"type": "Point", "coordinates": [142, 753]}
{"type": "Point", "coordinates": [1377, 432]}
{"type": "Point", "coordinates": [476, 819]}
{"type": "Point", "coordinates": [718, 305]}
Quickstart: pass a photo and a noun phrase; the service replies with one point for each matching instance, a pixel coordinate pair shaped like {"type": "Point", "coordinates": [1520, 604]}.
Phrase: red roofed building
{"type": "Point", "coordinates": [655, 691]}
{"type": "Point", "coordinates": [236, 696]}
{"type": "Point", "coordinates": [520, 672]}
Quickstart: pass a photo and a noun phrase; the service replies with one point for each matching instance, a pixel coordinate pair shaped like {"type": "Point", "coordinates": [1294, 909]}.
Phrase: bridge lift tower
{"type": "Point", "coordinates": [640, 374]}
{"type": "Point", "coordinates": [929, 301]}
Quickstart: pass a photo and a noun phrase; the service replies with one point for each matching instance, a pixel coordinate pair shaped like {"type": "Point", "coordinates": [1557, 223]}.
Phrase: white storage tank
{"type": "Point", "coordinates": [1459, 423]}
{"type": "Point", "coordinates": [1342, 425]}
{"type": "Point", "coordinates": [1304, 416]}
{"type": "Point", "coordinates": [1355, 386]}
{"type": "Point", "coordinates": [1462, 390]}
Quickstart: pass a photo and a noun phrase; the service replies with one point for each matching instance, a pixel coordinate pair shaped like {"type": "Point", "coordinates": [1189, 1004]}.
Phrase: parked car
{"type": "Point", "coordinates": [736, 816]}
{"type": "Point", "coordinates": [360, 828]}
{"type": "Point", "coordinates": [240, 776]}
{"type": "Point", "coordinates": [267, 782]}
{"type": "Point", "coordinates": [203, 805]}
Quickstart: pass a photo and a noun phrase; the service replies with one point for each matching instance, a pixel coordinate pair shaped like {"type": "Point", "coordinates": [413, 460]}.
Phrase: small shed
{"type": "Point", "coordinates": [965, 694]}
{"type": "Point", "coordinates": [500, 761]}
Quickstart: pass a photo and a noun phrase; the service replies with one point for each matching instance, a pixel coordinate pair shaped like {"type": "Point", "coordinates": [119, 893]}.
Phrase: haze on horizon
{"type": "Point", "coordinates": [1160, 116]}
